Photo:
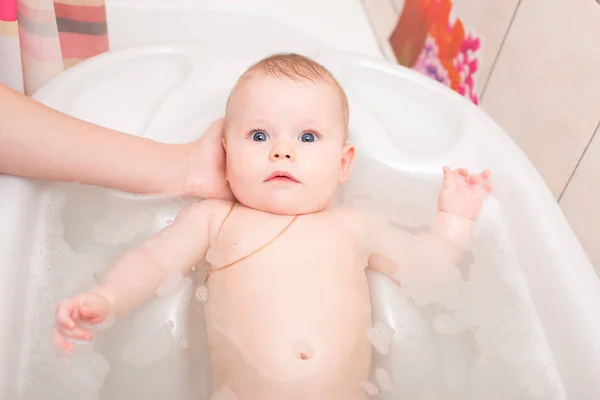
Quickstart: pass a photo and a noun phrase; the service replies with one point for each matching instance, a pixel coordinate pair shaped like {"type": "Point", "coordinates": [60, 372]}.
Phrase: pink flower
{"type": "Point", "coordinates": [429, 63]}
{"type": "Point", "coordinates": [467, 65]}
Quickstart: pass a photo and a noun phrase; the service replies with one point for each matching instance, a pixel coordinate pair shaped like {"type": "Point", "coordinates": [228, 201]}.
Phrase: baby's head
{"type": "Point", "coordinates": [286, 130]}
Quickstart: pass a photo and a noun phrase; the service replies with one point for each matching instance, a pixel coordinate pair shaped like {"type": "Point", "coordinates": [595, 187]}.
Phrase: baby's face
{"type": "Point", "coordinates": [286, 144]}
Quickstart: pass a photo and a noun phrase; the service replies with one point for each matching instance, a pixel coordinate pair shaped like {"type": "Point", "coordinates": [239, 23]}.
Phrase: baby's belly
{"type": "Point", "coordinates": [298, 331]}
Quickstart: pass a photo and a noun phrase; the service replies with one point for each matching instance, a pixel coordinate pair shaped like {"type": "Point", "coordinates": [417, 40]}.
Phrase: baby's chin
{"type": "Point", "coordinates": [290, 207]}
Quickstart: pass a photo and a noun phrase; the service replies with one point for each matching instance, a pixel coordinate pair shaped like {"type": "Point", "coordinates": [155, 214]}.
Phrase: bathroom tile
{"type": "Point", "coordinates": [581, 199]}
{"type": "Point", "coordinates": [383, 17]}
{"type": "Point", "coordinates": [489, 20]}
{"type": "Point", "coordinates": [545, 88]}
{"type": "Point", "coordinates": [397, 4]}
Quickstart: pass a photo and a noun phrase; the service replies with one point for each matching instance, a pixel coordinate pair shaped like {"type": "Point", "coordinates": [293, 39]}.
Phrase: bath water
{"type": "Point", "coordinates": [480, 340]}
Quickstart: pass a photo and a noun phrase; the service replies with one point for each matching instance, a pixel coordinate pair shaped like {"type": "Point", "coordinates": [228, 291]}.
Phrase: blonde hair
{"type": "Point", "coordinates": [297, 67]}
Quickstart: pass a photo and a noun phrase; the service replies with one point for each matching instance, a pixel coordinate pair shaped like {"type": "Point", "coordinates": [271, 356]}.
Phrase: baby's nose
{"type": "Point", "coordinates": [282, 153]}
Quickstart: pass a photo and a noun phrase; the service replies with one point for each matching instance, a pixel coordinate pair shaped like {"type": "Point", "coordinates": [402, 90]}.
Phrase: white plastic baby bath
{"type": "Point", "coordinates": [526, 324]}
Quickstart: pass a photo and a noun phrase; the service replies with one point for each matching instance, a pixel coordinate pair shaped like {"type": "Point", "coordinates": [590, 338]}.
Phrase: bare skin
{"type": "Point", "coordinates": [39, 142]}
{"type": "Point", "coordinates": [290, 321]}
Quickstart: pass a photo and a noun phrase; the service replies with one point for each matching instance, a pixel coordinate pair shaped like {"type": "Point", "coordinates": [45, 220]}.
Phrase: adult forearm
{"type": "Point", "coordinates": [39, 142]}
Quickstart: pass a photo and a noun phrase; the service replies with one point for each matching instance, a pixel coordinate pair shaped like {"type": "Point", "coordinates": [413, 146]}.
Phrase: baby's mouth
{"type": "Point", "coordinates": [281, 176]}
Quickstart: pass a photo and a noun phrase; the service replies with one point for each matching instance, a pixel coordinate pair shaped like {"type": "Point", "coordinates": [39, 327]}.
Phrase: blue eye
{"type": "Point", "coordinates": [308, 137]}
{"type": "Point", "coordinates": [259, 136]}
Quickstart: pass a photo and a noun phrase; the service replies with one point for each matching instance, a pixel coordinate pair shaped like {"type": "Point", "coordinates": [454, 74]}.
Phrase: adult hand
{"type": "Point", "coordinates": [207, 165]}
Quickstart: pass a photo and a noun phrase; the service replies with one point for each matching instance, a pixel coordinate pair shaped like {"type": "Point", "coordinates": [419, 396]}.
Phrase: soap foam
{"type": "Point", "coordinates": [381, 337]}
{"type": "Point", "coordinates": [224, 393]}
{"type": "Point", "coordinates": [490, 303]}
{"type": "Point", "coordinates": [56, 272]}
{"type": "Point", "coordinates": [151, 348]}
{"type": "Point", "coordinates": [384, 380]}
{"type": "Point", "coordinates": [202, 293]}
{"type": "Point", "coordinates": [487, 302]}
{"type": "Point", "coordinates": [123, 225]}
{"type": "Point", "coordinates": [370, 388]}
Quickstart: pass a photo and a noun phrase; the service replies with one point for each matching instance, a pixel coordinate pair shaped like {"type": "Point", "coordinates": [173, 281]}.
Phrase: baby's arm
{"type": "Point", "coordinates": [138, 273]}
{"type": "Point", "coordinates": [395, 252]}
{"type": "Point", "coordinates": [392, 250]}
{"type": "Point", "coordinates": [177, 248]}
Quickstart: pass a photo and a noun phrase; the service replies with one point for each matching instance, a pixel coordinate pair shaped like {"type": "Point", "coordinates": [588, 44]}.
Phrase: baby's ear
{"type": "Point", "coordinates": [347, 161]}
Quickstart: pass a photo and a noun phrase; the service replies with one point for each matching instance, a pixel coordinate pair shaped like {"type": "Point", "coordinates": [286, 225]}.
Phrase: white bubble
{"type": "Point", "coordinates": [362, 257]}
{"type": "Point", "coordinates": [370, 388]}
{"type": "Point", "coordinates": [123, 225]}
{"type": "Point", "coordinates": [211, 254]}
{"type": "Point", "coordinates": [169, 221]}
{"type": "Point", "coordinates": [149, 349]}
{"type": "Point", "coordinates": [224, 393]}
{"type": "Point", "coordinates": [202, 293]}
{"type": "Point", "coordinates": [435, 394]}
{"type": "Point", "coordinates": [381, 336]}
{"type": "Point", "coordinates": [171, 285]}
{"type": "Point", "coordinates": [446, 324]}
{"type": "Point", "coordinates": [384, 380]}
{"type": "Point", "coordinates": [79, 376]}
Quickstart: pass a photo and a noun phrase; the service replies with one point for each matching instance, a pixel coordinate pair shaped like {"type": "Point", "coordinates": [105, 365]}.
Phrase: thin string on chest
{"type": "Point", "coordinates": [210, 269]}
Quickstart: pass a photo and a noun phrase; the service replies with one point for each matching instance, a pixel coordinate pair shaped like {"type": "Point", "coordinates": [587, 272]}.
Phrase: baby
{"type": "Point", "coordinates": [288, 304]}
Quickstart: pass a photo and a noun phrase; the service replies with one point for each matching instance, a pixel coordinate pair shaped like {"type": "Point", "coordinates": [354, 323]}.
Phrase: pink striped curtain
{"type": "Point", "coordinates": [41, 38]}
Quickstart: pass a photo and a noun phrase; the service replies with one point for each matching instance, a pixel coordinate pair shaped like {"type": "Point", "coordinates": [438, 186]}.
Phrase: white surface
{"type": "Point", "coordinates": [428, 127]}
{"type": "Point", "coordinates": [340, 24]}
{"type": "Point", "coordinates": [406, 121]}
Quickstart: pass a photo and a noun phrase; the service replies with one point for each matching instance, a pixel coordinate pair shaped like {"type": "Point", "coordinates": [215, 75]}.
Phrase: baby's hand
{"type": "Point", "coordinates": [463, 194]}
{"type": "Point", "coordinates": [88, 308]}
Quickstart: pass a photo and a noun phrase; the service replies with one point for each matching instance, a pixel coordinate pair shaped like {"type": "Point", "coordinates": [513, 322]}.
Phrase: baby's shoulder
{"type": "Point", "coordinates": [350, 217]}
{"type": "Point", "coordinates": [205, 209]}
{"type": "Point", "coordinates": [215, 205]}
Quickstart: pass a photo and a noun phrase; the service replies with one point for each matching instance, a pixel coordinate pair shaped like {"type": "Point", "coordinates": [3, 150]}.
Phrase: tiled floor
{"type": "Point", "coordinates": [540, 80]}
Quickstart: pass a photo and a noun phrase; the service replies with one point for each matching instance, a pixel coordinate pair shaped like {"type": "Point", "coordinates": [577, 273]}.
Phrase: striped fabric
{"type": "Point", "coordinates": [50, 36]}
{"type": "Point", "coordinates": [11, 70]}
{"type": "Point", "coordinates": [81, 28]}
{"type": "Point", "coordinates": [40, 48]}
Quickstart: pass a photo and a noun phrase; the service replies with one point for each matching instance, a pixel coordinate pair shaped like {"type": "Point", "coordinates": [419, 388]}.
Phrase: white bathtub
{"type": "Point", "coordinates": [407, 126]}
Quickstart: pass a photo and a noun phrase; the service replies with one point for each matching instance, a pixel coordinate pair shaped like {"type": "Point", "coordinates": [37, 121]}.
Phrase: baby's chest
{"type": "Point", "coordinates": [311, 266]}
{"type": "Point", "coordinates": [307, 246]}
{"type": "Point", "coordinates": [301, 237]}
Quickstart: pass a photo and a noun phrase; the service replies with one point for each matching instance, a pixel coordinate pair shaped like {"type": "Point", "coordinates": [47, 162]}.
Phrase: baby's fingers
{"type": "Point", "coordinates": [64, 312]}
{"type": "Point", "coordinates": [463, 172]}
{"type": "Point", "coordinates": [449, 178]}
{"type": "Point", "coordinates": [93, 311]}
{"type": "Point", "coordinates": [488, 188]}
{"type": "Point", "coordinates": [92, 315]}
{"type": "Point", "coordinates": [61, 342]}
{"type": "Point", "coordinates": [77, 333]}
{"type": "Point", "coordinates": [479, 178]}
